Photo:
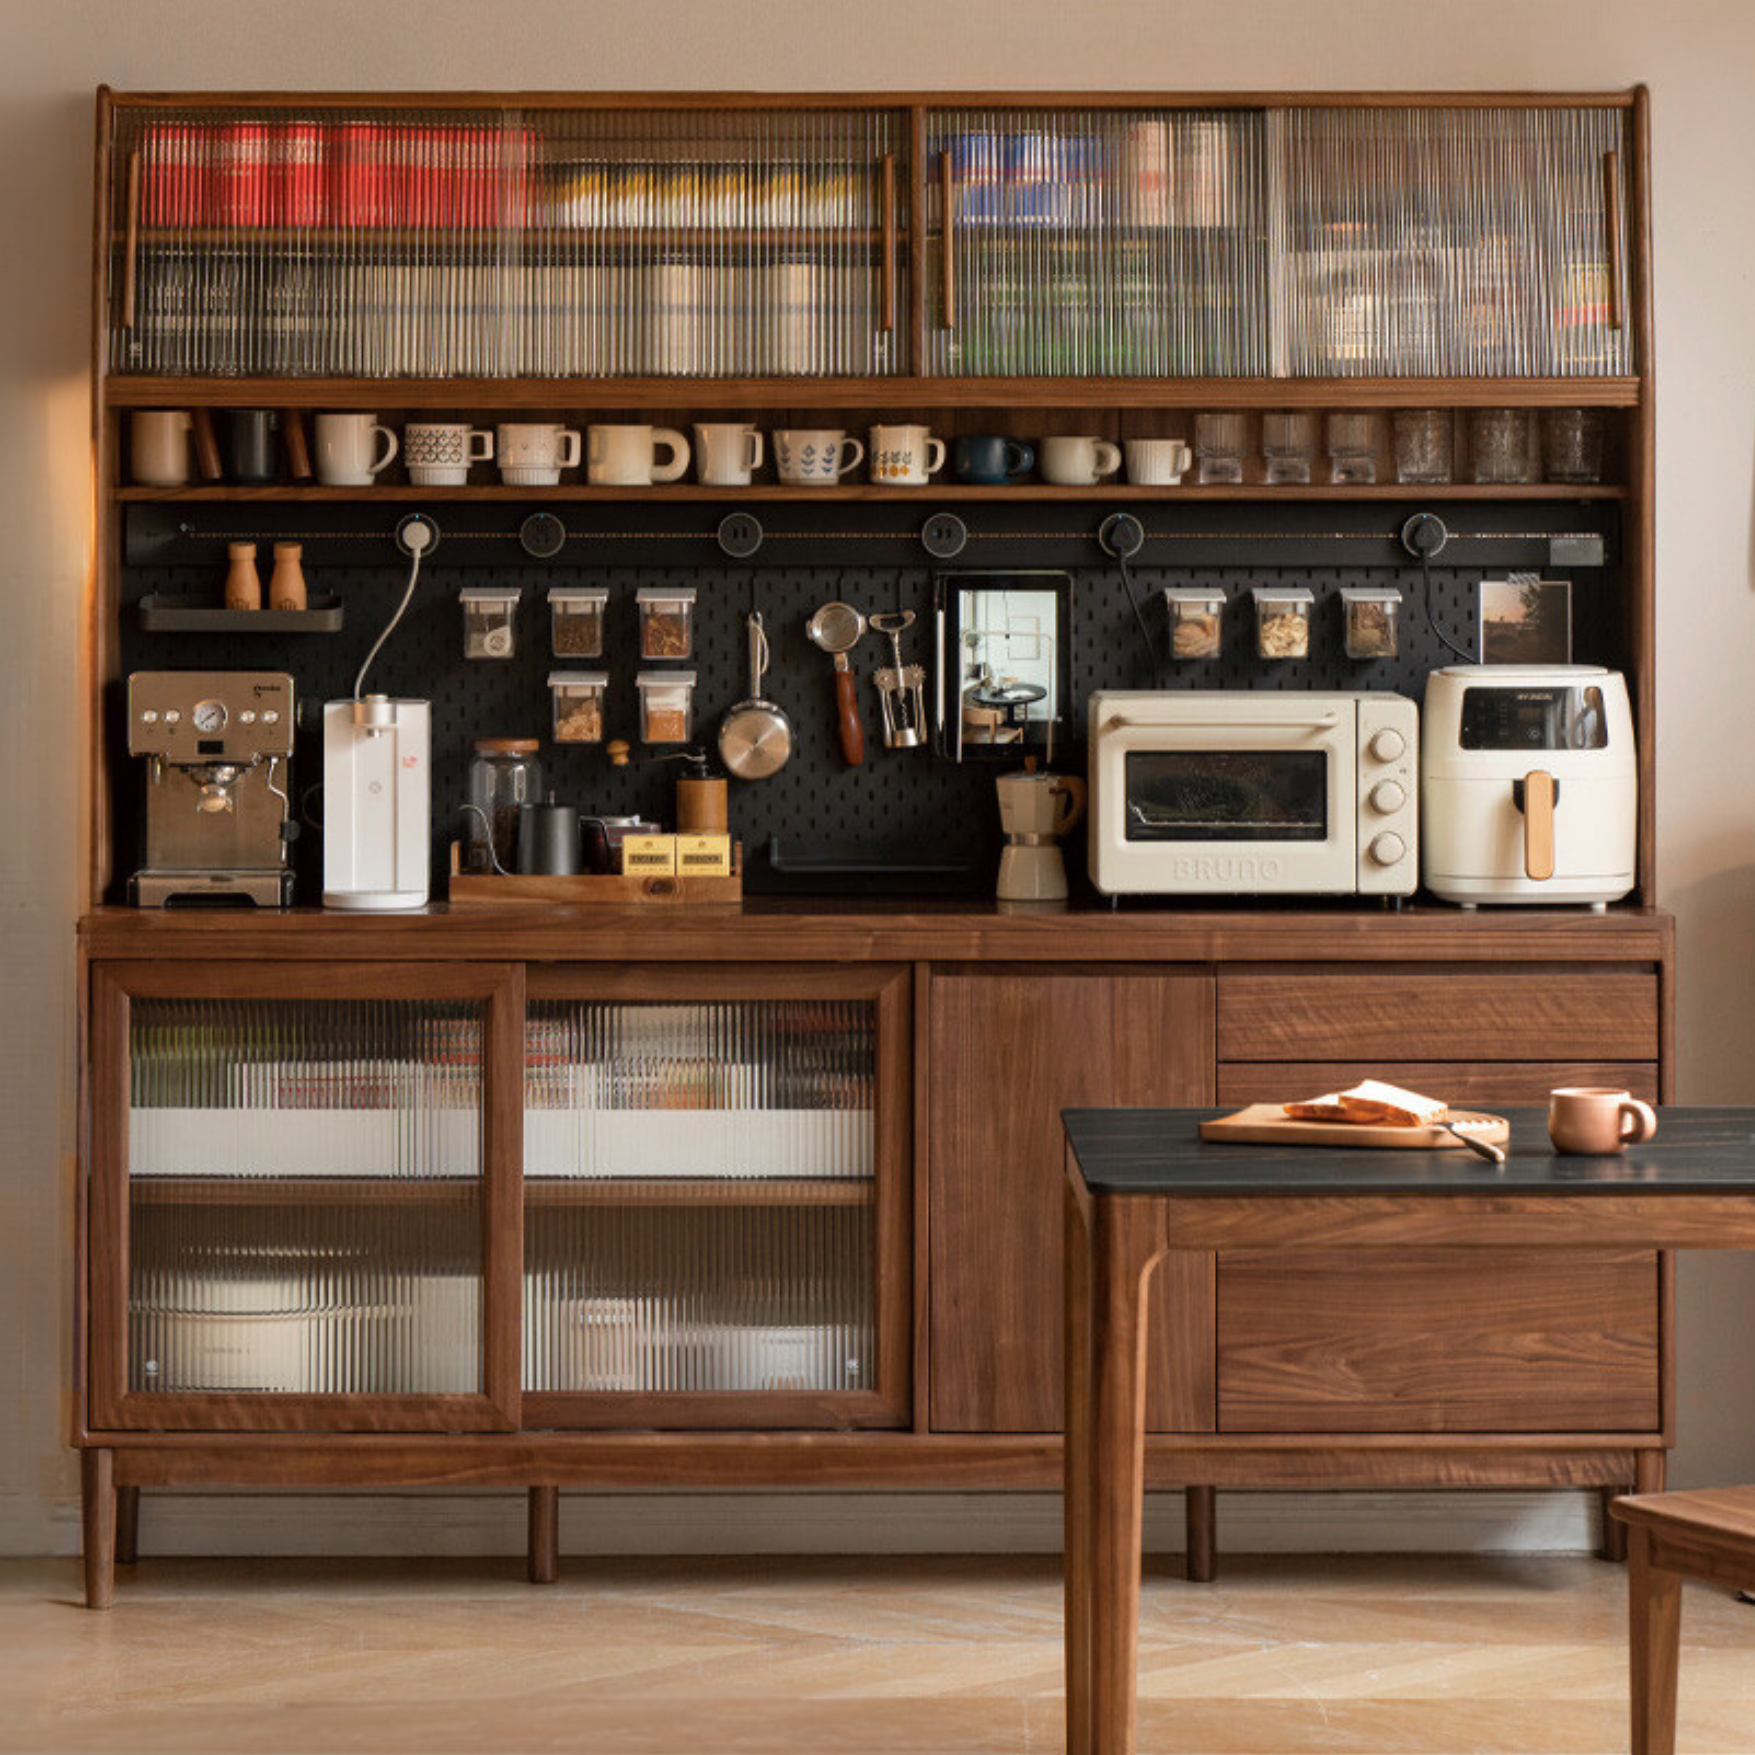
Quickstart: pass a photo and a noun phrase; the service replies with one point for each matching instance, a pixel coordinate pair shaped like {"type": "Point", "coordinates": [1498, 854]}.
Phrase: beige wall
{"type": "Point", "coordinates": [1697, 56]}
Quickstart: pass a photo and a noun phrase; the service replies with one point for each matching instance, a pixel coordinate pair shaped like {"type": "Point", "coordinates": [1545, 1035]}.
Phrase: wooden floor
{"type": "Point", "coordinates": [826, 1657]}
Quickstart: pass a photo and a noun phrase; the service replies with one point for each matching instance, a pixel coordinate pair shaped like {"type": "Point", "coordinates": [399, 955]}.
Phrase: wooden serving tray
{"type": "Point", "coordinates": [1267, 1124]}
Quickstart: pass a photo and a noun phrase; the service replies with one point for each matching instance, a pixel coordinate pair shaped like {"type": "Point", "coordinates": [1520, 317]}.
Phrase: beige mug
{"type": "Point", "coordinates": [352, 449]}
{"type": "Point", "coordinates": [905, 456]}
{"type": "Point", "coordinates": [533, 453]}
{"type": "Point", "coordinates": [1078, 462]}
{"type": "Point", "coordinates": [1157, 462]}
{"type": "Point", "coordinates": [627, 456]}
{"type": "Point", "coordinates": [158, 450]}
{"type": "Point", "coordinates": [727, 453]}
{"type": "Point", "coordinates": [1594, 1121]}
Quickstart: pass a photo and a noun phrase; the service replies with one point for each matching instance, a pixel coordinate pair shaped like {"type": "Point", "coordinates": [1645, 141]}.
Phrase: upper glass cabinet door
{"type": "Point", "coordinates": [619, 242]}
{"type": "Point", "coordinates": [301, 1204]}
{"type": "Point", "coordinates": [1097, 243]}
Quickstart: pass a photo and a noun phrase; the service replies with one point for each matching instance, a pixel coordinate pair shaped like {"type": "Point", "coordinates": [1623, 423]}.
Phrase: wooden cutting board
{"type": "Point", "coordinates": [1267, 1124]}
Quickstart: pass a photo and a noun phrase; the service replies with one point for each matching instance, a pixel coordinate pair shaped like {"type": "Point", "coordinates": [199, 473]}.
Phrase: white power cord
{"type": "Point", "coordinates": [415, 535]}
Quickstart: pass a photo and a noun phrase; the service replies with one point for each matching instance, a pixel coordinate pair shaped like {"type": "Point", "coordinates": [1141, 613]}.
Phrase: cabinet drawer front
{"type": "Point", "coordinates": [1423, 1014]}
{"type": "Point", "coordinates": [1439, 1341]}
{"type": "Point", "coordinates": [1458, 1082]}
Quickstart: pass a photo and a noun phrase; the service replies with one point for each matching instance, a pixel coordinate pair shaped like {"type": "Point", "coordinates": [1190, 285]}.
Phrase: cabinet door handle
{"type": "Point", "coordinates": [131, 247]}
{"type": "Point", "coordinates": [1612, 238]}
{"type": "Point", "coordinates": [947, 202]}
{"type": "Point", "coordinates": [888, 168]}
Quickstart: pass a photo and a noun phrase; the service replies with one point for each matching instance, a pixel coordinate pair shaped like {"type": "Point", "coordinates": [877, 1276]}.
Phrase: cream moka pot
{"type": "Point", "coordinates": [1035, 810]}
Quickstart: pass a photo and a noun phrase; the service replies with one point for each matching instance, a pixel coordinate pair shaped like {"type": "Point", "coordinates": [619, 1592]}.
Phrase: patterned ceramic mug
{"type": "Point", "coordinates": [905, 456]}
{"type": "Point", "coordinates": [439, 452]}
{"type": "Point", "coordinates": [815, 456]}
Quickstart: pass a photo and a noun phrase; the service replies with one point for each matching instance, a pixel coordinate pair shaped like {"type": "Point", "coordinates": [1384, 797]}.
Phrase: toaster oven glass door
{"type": "Point", "coordinates": [1227, 795]}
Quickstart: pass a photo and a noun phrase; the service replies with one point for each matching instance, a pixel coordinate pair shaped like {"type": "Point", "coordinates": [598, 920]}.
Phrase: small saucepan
{"type": "Point", "coordinates": [755, 737]}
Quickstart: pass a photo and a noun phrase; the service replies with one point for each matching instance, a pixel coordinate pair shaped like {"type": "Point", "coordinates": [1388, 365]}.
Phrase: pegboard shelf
{"type": "Point", "coordinates": [869, 393]}
{"type": "Point", "coordinates": [399, 493]}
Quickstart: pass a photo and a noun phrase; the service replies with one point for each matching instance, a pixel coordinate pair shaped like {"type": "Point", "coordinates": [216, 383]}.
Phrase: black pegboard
{"type": "Point", "coordinates": [908, 801]}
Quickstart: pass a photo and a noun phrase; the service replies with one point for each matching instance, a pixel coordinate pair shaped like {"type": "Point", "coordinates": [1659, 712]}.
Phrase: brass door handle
{"type": "Point", "coordinates": [131, 248]}
{"type": "Point", "coordinates": [1612, 239]}
{"type": "Point", "coordinates": [887, 171]}
{"type": "Point", "coordinates": [947, 204]}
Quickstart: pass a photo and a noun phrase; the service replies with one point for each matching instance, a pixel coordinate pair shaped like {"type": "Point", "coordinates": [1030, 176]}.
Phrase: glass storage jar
{"type": "Point", "coordinates": [490, 620]}
{"type": "Point", "coordinates": [666, 705]}
{"type": "Point", "coordinates": [1369, 615]}
{"type": "Point", "coordinates": [1282, 620]}
{"type": "Point", "coordinates": [504, 775]}
{"type": "Point", "coordinates": [575, 615]}
{"type": "Point", "coordinates": [1196, 620]}
{"type": "Point", "coordinates": [667, 621]}
{"type": "Point", "coordinates": [578, 704]}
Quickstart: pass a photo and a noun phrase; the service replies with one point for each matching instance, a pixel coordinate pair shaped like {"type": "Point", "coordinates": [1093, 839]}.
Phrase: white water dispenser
{"type": "Point", "coordinates": [377, 803]}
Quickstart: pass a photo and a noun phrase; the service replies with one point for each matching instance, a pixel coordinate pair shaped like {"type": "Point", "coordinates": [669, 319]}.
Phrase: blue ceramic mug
{"type": "Point", "coordinates": [990, 461]}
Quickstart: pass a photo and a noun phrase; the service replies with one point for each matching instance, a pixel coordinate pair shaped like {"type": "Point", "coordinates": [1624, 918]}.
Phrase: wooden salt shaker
{"type": "Point", "coordinates": [243, 588]}
{"type": "Point", "coordinates": [286, 589]}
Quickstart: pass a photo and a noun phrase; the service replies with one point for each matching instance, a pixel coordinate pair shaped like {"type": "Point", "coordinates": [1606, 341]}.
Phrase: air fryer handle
{"type": "Point", "coordinates": [1536, 795]}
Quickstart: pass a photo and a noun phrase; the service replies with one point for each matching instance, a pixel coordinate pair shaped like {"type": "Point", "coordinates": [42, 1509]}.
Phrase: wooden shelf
{"type": "Point", "coordinates": [301, 1191]}
{"type": "Point", "coordinates": [698, 1191]}
{"type": "Point", "coordinates": [868, 393]}
{"type": "Point", "coordinates": [400, 493]}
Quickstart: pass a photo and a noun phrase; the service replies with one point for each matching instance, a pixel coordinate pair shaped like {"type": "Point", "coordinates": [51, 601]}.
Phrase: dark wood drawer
{"type": "Point", "coordinates": [1439, 1341]}
{"type": "Point", "coordinates": [1405, 1014]}
{"type": "Point", "coordinates": [1471, 1082]}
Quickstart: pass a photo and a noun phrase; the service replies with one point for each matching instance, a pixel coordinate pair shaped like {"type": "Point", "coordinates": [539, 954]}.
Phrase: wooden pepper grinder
{"type": "Point", "coordinates": [243, 588]}
{"type": "Point", "coordinates": [286, 589]}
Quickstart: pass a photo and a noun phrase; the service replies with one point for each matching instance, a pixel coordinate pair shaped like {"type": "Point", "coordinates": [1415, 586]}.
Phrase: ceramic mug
{"type": "Point", "coordinates": [1079, 462]}
{"type": "Point", "coordinates": [990, 460]}
{"type": "Point", "coordinates": [439, 452]}
{"type": "Point", "coordinates": [345, 449]}
{"type": "Point", "coordinates": [158, 451]}
{"type": "Point", "coordinates": [815, 456]}
{"type": "Point", "coordinates": [1596, 1121]}
{"type": "Point", "coordinates": [627, 456]}
{"type": "Point", "coordinates": [1157, 462]}
{"type": "Point", "coordinates": [727, 452]}
{"type": "Point", "coordinates": [533, 453]}
{"type": "Point", "coordinates": [905, 456]}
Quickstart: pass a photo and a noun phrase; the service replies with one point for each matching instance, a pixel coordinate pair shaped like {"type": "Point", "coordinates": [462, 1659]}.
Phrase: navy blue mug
{"type": "Point", "coordinates": [992, 461]}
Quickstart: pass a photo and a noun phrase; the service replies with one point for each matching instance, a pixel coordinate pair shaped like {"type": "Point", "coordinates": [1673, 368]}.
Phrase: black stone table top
{"type": "Point", "coordinates": [1160, 1151]}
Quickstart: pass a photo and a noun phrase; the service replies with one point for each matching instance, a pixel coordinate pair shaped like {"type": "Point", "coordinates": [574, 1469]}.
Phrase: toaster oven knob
{"type": "Point", "coordinates": [1386, 745]}
{"type": "Point", "coordinates": [1387, 849]}
{"type": "Point", "coordinates": [1388, 796]}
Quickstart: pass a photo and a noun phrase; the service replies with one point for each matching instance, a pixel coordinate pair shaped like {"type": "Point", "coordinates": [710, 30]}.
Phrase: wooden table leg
{"type": "Point", "coordinates": [1077, 1472]}
{"type": "Point", "coordinates": [1613, 1544]}
{"type": "Point", "coordinates": [1654, 1626]}
{"type": "Point", "coordinates": [545, 1535]}
{"type": "Point", "coordinates": [1127, 1240]}
{"type": "Point", "coordinates": [1201, 1515]}
{"type": "Point", "coordinates": [127, 1525]}
{"type": "Point", "coordinates": [97, 1478]}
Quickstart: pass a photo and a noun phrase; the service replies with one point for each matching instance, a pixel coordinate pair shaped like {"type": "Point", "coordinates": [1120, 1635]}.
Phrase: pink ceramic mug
{"type": "Point", "coordinates": [1594, 1121]}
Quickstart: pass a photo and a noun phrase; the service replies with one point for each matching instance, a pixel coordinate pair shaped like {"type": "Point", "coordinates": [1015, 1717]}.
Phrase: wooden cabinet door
{"type": "Point", "coordinates": [303, 1196]}
{"type": "Point", "coordinates": [1009, 1051]}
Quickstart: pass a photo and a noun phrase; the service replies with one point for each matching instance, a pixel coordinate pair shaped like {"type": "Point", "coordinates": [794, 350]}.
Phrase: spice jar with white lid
{"type": "Point", "coordinates": [1282, 620]}
{"type": "Point", "coordinates": [576, 620]}
{"type": "Point", "coordinates": [490, 620]}
{"type": "Point", "coordinates": [1196, 620]}
{"type": "Point", "coordinates": [1369, 614]}
{"type": "Point", "coordinates": [667, 621]}
{"type": "Point", "coordinates": [578, 704]}
{"type": "Point", "coordinates": [666, 705]}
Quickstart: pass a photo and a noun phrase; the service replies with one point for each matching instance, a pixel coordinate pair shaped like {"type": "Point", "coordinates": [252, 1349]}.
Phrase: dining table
{"type": "Point", "coordinates": [1143, 1183]}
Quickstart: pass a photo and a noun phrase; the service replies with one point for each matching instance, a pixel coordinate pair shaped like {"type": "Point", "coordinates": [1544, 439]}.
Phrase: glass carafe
{"type": "Point", "coordinates": [504, 774]}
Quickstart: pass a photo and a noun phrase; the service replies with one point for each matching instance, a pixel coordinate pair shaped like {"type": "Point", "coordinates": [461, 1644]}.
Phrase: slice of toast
{"type": "Point", "coordinates": [1372, 1100]}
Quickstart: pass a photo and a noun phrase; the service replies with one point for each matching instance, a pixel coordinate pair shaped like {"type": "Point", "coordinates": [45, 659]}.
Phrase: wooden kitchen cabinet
{"type": "Point", "coordinates": [1009, 1051]}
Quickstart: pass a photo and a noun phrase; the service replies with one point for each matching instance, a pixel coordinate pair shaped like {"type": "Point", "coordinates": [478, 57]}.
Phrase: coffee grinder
{"type": "Point", "coordinates": [1035, 810]}
{"type": "Point", "coordinates": [218, 748]}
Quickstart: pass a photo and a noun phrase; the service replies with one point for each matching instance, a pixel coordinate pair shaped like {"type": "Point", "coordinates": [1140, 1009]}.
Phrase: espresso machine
{"type": "Point", "coordinates": [218, 750]}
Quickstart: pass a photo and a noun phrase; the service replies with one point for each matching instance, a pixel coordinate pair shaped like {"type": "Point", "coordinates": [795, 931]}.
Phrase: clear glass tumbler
{"type": "Point", "coordinates": [1499, 439]}
{"type": "Point", "coordinates": [1422, 444]}
{"type": "Point", "coordinates": [1572, 444]}
{"type": "Point", "coordinates": [1288, 442]}
{"type": "Point", "coordinates": [1219, 443]}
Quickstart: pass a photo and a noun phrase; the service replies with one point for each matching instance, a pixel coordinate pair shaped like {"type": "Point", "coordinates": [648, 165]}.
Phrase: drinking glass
{"type": "Point", "coordinates": [1288, 442]}
{"type": "Point", "coordinates": [1219, 441]}
{"type": "Point", "coordinates": [1352, 447]}
{"type": "Point", "coordinates": [1422, 444]}
{"type": "Point", "coordinates": [1572, 444]}
{"type": "Point", "coordinates": [1500, 441]}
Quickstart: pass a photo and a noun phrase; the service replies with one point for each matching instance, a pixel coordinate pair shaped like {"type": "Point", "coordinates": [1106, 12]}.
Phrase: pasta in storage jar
{"type": "Point", "coordinates": [1196, 620]}
{"type": "Point", "coordinates": [578, 704]}
{"type": "Point", "coordinates": [666, 705]}
{"type": "Point", "coordinates": [1282, 621]}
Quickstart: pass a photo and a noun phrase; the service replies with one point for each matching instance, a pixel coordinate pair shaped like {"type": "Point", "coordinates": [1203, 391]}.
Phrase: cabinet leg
{"type": "Point", "coordinates": [1649, 1468]}
{"type": "Point", "coordinates": [1654, 1625]}
{"type": "Point", "coordinates": [545, 1534]}
{"type": "Point", "coordinates": [97, 1477]}
{"type": "Point", "coordinates": [127, 1525]}
{"type": "Point", "coordinates": [1201, 1506]}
